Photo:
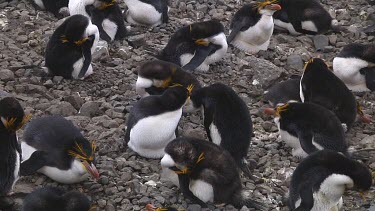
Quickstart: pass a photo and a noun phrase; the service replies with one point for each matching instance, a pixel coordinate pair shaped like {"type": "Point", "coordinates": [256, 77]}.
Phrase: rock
{"type": "Point", "coordinates": [320, 41]}
{"type": "Point", "coordinates": [6, 75]}
{"type": "Point", "coordinates": [62, 108]}
{"type": "Point", "coordinates": [48, 84]}
{"type": "Point", "coordinates": [295, 62]}
{"type": "Point", "coordinates": [110, 207]}
{"type": "Point", "coordinates": [194, 207]}
{"type": "Point", "coordinates": [57, 79]}
{"type": "Point", "coordinates": [137, 41]}
{"type": "Point", "coordinates": [332, 39]}
{"type": "Point", "coordinates": [90, 109]}
{"type": "Point", "coordinates": [101, 51]}
{"type": "Point", "coordinates": [75, 100]}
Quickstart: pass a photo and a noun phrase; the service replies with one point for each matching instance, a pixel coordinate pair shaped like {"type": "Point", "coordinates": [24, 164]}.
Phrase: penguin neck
{"type": "Point", "coordinates": [8, 140]}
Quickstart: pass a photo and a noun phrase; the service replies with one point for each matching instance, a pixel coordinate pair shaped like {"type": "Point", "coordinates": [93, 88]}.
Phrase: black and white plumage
{"type": "Point", "coordinates": [49, 198]}
{"type": "Point", "coordinates": [52, 6]}
{"type": "Point", "coordinates": [320, 180]}
{"type": "Point", "coordinates": [196, 46]}
{"type": "Point", "coordinates": [308, 127]}
{"type": "Point", "coordinates": [283, 92]}
{"type": "Point", "coordinates": [153, 120]}
{"type": "Point", "coordinates": [355, 66]}
{"type": "Point", "coordinates": [226, 119]}
{"type": "Point", "coordinates": [206, 173]}
{"type": "Point", "coordinates": [147, 12]}
{"type": "Point", "coordinates": [156, 76]}
{"type": "Point", "coordinates": [53, 146]}
{"type": "Point", "coordinates": [302, 17]}
{"type": "Point", "coordinates": [320, 85]}
{"type": "Point", "coordinates": [252, 27]}
{"type": "Point", "coordinates": [69, 49]}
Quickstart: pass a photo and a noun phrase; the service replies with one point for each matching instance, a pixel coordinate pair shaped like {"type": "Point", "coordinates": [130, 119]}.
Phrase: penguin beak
{"type": "Point", "coordinates": [201, 42]}
{"type": "Point", "coordinates": [91, 169]}
{"type": "Point", "coordinates": [275, 7]}
{"type": "Point", "coordinates": [150, 207]}
{"type": "Point", "coordinates": [270, 111]}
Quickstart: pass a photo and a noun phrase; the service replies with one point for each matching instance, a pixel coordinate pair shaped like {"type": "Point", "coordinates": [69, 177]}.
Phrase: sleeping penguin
{"type": "Point", "coordinates": [54, 147]}
{"type": "Point", "coordinates": [69, 49]}
{"type": "Point", "coordinates": [320, 180]}
{"type": "Point", "coordinates": [153, 120]}
{"type": "Point", "coordinates": [308, 127]}
{"type": "Point", "coordinates": [156, 76]}
{"type": "Point", "coordinates": [226, 119]}
{"type": "Point", "coordinates": [302, 17]}
{"type": "Point", "coordinates": [252, 27]}
{"type": "Point", "coordinates": [319, 85]}
{"type": "Point", "coordinates": [107, 16]}
{"type": "Point", "coordinates": [206, 173]}
{"type": "Point", "coordinates": [196, 46]}
{"type": "Point", "coordinates": [52, 6]}
{"type": "Point", "coordinates": [355, 66]}
{"type": "Point", "coordinates": [283, 92]}
{"type": "Point", "coordinates": [12, 118]}
{"type": "Point", "coordinates": [49, 198]}
{"type": "Point", "coordinates": [147, 12]}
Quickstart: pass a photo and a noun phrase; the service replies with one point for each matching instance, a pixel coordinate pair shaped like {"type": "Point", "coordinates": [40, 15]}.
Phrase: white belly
{"type": "Point", "coordinates": [309, 25]}
{"type": "Point", "coordinates": [142, 84]}
{"type": "Point", "coordinates": [347, 69]}
{"type": "Point", "coordinates": [110, 28]}
{"type": "Point", "coordinates": [202, 190]}
{"type": "Point", "coordinates": [142, 13]}
{"type": "Point", "coordinates": [215, 135]}
{"type": "Point", "coordinates": [16, 168]}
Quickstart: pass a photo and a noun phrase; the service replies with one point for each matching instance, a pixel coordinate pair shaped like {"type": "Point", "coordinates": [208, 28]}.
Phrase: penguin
{"type": "Point", "coordinates": [51, 6]}
{"type": "Point", "coordinates": [302, 17]}
{"type": "Point", "coordinates": [196, 46]}
{"type": "Point", "coordinates": [320, 180]}
{"type": "Point", "coordinates": [69, 49]}
{"type": "Point", "coordinates": [79, 7]}
{"type": "Point", "coordinates": [283, 92]}
{"type": "Point", "coordinates": [153, 120]}
{"type": "Point", "coordinates": [12, 118]}
{"type": "Point", "coordinates": [206, 173]}
{"type": "Point", "coordinates": [309, 127]}
{"type": "Point", "coordinates": [227, 120]}
{"type": "Point", "coordinates": [53, 146]}
{"type": "Point", "coordinates": [355, 66]}
{"type": "Point", "coordinates": [50, 198]}
{"type": "Point", "coordinates": [320, 85]}
{"type": "Point", "coordinates": [150, 207]}
{"type": "Point", "coordinates": [147, 12]}
{"type": "Point", "coordinates": [252, 27]}
{"type": "Point", "coordinates": [108, 17]}
{"type": "Point", "coordinates": [156, 76]}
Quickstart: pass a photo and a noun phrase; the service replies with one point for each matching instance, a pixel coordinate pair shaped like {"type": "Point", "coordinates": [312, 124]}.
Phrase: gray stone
{"type": "Point", "coordinates": [48, 84]}
{"type": "Point", "coordinates": [137, 41]}
{"type": "Point", "coordinates": [75, 100]}
{"type": "Point", "coordinates": [62, 108]}
{"type": "Point", "coordinates": [110, 207]}
{"type": "Point", "coordinates": [101, 51]}
{"type": "Point", "coordinates": [57, 79]}
{"type": "Point", "coordinates": [320, 41]}
{"type": "Point", "coordinates": [90, 109]}
{"type": "Point", "coordinates": [295, 62]}
{"type": "Point", "coordinates": [194, 207]}
{"type": "Point", "coordinates": [6, 75]}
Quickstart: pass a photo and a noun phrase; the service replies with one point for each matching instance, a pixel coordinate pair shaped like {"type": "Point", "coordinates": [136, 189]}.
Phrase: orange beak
{"type": "Point", "coordinates": [91, 169]}
{"type": "Point", "coordinates": [275, 7]}
{"type": "Point", "coordinates": [150, 207]}
{"type": "Point", "coordinates": [270, 111]}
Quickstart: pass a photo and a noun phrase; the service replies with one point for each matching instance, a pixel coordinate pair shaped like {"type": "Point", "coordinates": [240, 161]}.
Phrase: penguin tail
{"type": "Point", "coordinates": [337, 28]}
{"type": "Point", "coordinates": [243, 198]}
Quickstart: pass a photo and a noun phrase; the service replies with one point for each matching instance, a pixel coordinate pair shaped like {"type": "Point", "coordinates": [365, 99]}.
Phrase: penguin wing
{"type": "Point", "coordinates": [281, 15]}
{"type": "Point", "coordinates": [369, 74]}
{"type": "Point", "coordinates": [305, 139]}
{"type": "Point", "coordinates": [86, 50]}
{"type": "Point", "coordinates": [307, 198]}
{"type": "Point", "coordinates": [153, 90]}
{"type": "Point", "coordinates": [37, 160]}
{"type": "Point", "coordinates": [238, 24]}
{"type": "Point", "coordinates": [164, 8]}
{"type": "Point", "coordinates": [200, 55]}
{"type": "Point", "coordinates": [208, 118]}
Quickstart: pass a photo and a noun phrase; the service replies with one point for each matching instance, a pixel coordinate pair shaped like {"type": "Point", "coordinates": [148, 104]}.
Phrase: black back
{"type": "Point", "coordinates": [283, 92]}
{"type": "Point", "coordinates": [369, 73]}
{"type": "Point", "coordinates": [244, 18]}
{"type": "Point", "coordinates": [357, 50]}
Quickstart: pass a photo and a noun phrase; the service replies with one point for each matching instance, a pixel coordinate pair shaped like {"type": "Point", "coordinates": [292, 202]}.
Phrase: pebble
{"type": "Point", "coordinates": [320, 41]}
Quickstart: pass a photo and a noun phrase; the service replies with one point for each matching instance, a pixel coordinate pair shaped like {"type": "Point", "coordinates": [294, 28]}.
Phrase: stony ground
{"type": "Point", "coordinates": [99, 104]}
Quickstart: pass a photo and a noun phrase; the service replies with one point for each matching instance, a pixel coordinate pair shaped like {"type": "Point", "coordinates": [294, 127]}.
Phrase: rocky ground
{"type": "Point", "coordinates": [99, 104]}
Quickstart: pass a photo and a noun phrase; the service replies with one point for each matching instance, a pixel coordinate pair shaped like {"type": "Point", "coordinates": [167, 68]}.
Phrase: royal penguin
{"type": "Point", "coordinates": [283, 92]}
{"type": "Point", "coordinates": [80, 7]}
{"type": "Point", "coordinates": [355, 66]}
{"type": "Point", "coordinates": [50, 198]}
{"type": "Point", "coordinates": [320, 180]}
{"type": "Point", "coordinates": [52, 6]}
{"type": "Point", "coordinates": [252, 27]}
{"type": "Point", "coordinates": [153, 120]}
{"type": "Point", "coordinates": [320, 85]}
{"type": "Point", "coordinates": [147, 12]}
{"type": "Point", "coordinates": [196, 46]}
{"type": "Point", "coordinates": [227, 120]}
{"type": "Point", "coordinates": [69, 49]}
{"type": "Point", "coordinates": [108, 17]}
{"type": "Point", "coordinates": [309, 127]}
{"type": "Point", "coordinates": [302, 17]}
{"type": "Point", "coordinates": [156, 76]}
{"type": "Point", "coordinates": [53, 146]}
{"type": "Point", "coordinates": [206, 173]}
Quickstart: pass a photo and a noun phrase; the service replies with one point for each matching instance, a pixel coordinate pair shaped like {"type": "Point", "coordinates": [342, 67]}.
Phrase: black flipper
{"type": "Point", "coordinates": [164, 14]}
{"type": "Point", "coordinates": [307, 199]}
{"type": "Point", "coordinates": [200, 55]}
{"type": "Point", "coordinates": [305, 140]}
{"type": "Point", "coordinates": [236, 28]}
{"type": "Point", "coordinates": [86, 51]}
{"type": "Point", "coordinates": [36, 161]}
{"type": "Point", "coordinates": [369, 73]}
{"type": "Point", "coordinates": [208, 119]}
{"type": "Point", "coordinates": [184, 181]}
{"type": "Point", "coordinates": [153, 90]}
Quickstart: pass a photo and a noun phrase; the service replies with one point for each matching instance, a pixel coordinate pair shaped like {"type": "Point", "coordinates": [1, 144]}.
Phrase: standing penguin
{"type": "Point", "coordinates": [196, 46]}
{"type": "Point", "coordinates": [355, 66]}
{"type": "Point", "coordinates": [226, 119]}
{"type": "Point", "coordinates": [308, 127]}
{"type": "Point", "coordinates": [69, 50]}
{"type": "Point", "coordinates": [53, 146]}
{"type": "Point", "coordinates": [283, 92]}
{"type": "Point", "coordinates": [303, 17]}
{"type": "Point", "coordinates": [49, 198]}
{"type": "Point", "coordinates": [52, 6]}
{"type": "Point", "coordinates": [207, 173]}
{"type": "Point", "coordinates": [319, 85]}
{"type": "Point", "coordinates": [320, 180]}
{"type": "Point", "coordinates": [153, 120]}
{"type": "Point", "coordinates": [156, 76]}
{"type": "Point", "coordinates": [252, 27]}
{"type": "Point", "coordinates": [147, 12]}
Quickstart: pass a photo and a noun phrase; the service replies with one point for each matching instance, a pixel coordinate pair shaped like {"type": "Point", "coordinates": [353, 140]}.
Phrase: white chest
{"type": "Point", "coordinates": [347, 69]}
{"type": "Point", "coordinates": [215, 135]}
{"type": "Point", "coordinates": [142, 13]}
{"type": "Point", "coordinates": [260, 33]}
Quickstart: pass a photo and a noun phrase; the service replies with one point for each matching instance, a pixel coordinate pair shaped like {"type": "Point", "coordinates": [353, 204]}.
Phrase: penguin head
{"type": "Point", "coordinates": [76, 201]}
{"type": "Point", "coordinates": [84, 152]}
{"type": "Point", "coordinates": [157, 73]}
{"type": "Point", "coordinates": [178, 94]}
{"type": "Point", "coordinates": [75, 30]}
{"type": "Point", "coordinates": [204, 33]}
{"type": "Point", "coordinates": [150, 207]}
{"type": "Point", "coordinates": [315, 64]}
{"type": "Point", "coordinates": [194, 103]}
{"type": "Point", "coordinates": [267, 7]}
{"type": "Point", "coordinates": [12, 115]}
{"type": "Point", "coordinates": [361, 176]}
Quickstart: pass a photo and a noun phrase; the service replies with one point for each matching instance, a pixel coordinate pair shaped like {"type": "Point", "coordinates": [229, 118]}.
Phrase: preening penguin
{"type": "Point", "coordinates": [252, 26]}
{"type": "Point", "coordinates": [53, 146]}
{"type": "Point", "coordinates": [308, 127]}
{"type": "Point", "coordinates": [49, 198]}
{"type": "Point", "coordinates": [207, 173]}
{"type": "Point", "coordinates": [153, 120]}
{"type": "Point", "coordinates": [226, 119]}
{"type": "Point", "coordinates": [156, 76]}
{"type": "Point", "coordinates": [147, 12]}
{"type": "Point", "coordinates": [319, 85]}
{"type": "Point", "coordinates": [69, 50]}
{"type": "Point", "coordinates": [52, 6]}
{"type": "Point", "coordinates": [196, 46]}
{"type": "Point", "coordinates": [302, 17]}
{"type": "Point", "coordinates": [355, 66]}
{"type": "Point", "coordinates": [283, 92]}
{"type": "Point", "coordinates": [321, 179]}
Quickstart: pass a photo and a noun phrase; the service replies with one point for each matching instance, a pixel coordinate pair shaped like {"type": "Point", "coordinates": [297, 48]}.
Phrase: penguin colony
{"type": "Point", "coordinates": [312, 111]}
